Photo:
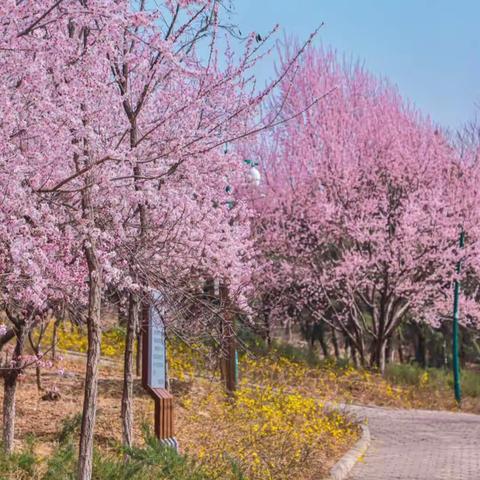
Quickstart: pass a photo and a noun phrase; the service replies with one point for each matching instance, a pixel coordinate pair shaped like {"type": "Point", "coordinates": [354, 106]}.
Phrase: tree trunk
{"type": "Point", "coordinates": [317, 332]}
{"type": "Point", "coordinates": [54, 340]}
{"type": "Point", "coordinates": [127, 394]}
{"type": "Point", "coordinates": [400, 352]}
{"type": "Point", "coordinates": [382, 349]}
{"type": "Point", "coordinates": [38, 375]}
{"type": "Point", "coordinates": [85, 457]}
{"type": "Point", "coordinates": [359, 347]}
{"type": "Point", "coordinates": [390, 350]}
{"type": "Point", "coordinates": [379, 354]}
{"type": "Point", "coordinates": [288, 330]}
{"type": "Point", "coordinates": [36, 349]}
{"type": "Point", "coordinates": [323, 345]}
{"type": "Point", "coordinates": [95, 289]}
{"type": "Point", "coordinates": [229, 360]}
{"type": "Point", "coordinates": [267, 333]}
{"type": "Point", "coordinates": [335, 344]}
{"type": "Point", "coordinates": [420, 347]}
{"type": "Point", "coordinates": [10, 388]}
{"type": "Point", "coordinates": [353, 351]}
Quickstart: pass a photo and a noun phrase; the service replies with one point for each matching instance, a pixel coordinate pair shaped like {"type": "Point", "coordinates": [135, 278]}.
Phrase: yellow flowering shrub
{"type": "Point", "coordinates": [269, 433]}
{"type": "Point", "coordinates": [73, 338]}
{"type": "Point", "coordinates": [327, 381]}
{"type": "Point", "coordinates": [185, 361]}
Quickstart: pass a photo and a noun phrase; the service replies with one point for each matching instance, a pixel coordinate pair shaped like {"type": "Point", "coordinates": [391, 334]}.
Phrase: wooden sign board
{"type": "Point", "coordinates": [154, 369]}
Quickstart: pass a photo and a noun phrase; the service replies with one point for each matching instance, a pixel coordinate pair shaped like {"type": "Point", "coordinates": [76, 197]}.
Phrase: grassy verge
{"type": "Point", "coordinates": [152, 461]}
{"type": "Point", "coordinates": [434, 378]}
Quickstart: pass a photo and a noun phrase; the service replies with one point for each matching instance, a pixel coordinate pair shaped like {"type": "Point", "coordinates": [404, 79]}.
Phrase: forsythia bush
{"type": "Point", "coordinates": [327, 381]}
{"type": "Point", "coordinates": [185, 361]}
{"type": "Point", "coordinates": [271, 430]}
{"type": "Point", "coordinates": [75, 339]}
{"type": "Point", "coordinates": [269, 433]}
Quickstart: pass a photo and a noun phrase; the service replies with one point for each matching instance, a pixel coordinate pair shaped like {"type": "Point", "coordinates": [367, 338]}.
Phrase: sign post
{"type": "Point", "coordinates": [154, 369]}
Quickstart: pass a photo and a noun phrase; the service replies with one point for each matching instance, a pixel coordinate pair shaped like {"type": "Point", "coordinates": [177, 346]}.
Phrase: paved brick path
{"type": "Point", "coordinates": [420, 445]}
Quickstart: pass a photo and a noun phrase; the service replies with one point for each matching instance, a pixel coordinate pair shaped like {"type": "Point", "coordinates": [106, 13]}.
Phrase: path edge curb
{"type": "Point", "coordinates": [344, 466]}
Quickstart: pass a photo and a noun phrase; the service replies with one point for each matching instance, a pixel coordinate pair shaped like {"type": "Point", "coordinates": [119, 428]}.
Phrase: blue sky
{"type": "Point", "coordinates": [429, 48]}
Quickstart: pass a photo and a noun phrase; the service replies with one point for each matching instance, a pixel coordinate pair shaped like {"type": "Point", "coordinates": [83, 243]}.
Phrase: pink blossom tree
{"type": "Point", "coordinates": [362, 216]}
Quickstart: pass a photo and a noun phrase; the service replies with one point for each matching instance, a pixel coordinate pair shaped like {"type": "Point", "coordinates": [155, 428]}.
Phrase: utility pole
{"type": "Point", "coordinates": [455, 340]}
{"type": "Point", "coordinates": [229, 359]}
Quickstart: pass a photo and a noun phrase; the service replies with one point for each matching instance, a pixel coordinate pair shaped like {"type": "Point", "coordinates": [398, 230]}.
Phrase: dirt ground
{"type": "Point", "coordinates": [43, 418]}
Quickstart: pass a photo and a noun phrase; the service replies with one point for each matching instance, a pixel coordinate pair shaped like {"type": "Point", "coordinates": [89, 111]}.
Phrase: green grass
{"type": "Point", "coordinates": [153, 461]}
{"type": "Point", "coordinates": [19, 465]}
{"type": "Point", "coordinates": [470, 383]}
{"type": "Point", "coordinates": [280, 349]}
{"type": "Point", "coordinates": [396, 373]}
{"type": "Point", "coordinates": [435, 378]}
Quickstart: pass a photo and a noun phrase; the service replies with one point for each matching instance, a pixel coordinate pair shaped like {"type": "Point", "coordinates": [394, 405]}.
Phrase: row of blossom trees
{"type": "Point", "coordinates": [113, 172]}
{"type": "Point", "coordinates": [364, 204]}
